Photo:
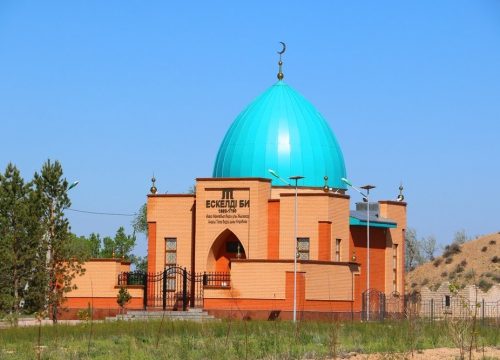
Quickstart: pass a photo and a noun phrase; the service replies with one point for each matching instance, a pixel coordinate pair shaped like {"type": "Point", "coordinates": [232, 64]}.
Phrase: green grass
{"type": "Point", "coordinates": [226, 340]}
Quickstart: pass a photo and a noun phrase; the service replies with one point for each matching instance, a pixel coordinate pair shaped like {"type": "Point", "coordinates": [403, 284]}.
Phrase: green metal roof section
{"type": "Point", "coordinates": [281, 130]}
{"type": "Point", "coordinates": [379, 224]}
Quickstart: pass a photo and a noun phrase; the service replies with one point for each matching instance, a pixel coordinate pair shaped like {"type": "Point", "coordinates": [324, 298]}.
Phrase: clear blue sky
{"type": "Point", "coordinates": [117, 90]}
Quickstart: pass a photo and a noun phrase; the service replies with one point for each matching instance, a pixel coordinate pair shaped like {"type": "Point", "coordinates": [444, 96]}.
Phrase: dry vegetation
{"type": "Point", "coordinates": [477, 259]}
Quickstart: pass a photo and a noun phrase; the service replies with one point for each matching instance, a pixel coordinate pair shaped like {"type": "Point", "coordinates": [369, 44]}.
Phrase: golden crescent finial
{"type": "Point", "coordinates": [280, 73]}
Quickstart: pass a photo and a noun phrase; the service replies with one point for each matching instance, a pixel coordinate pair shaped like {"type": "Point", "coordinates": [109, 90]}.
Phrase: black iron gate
{"type": "Point", "coordinates": [172, 289]}
{"type": "Point", "coordinates": [373, 305]}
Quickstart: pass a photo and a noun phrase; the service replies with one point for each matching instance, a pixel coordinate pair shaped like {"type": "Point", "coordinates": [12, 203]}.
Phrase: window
{"type": "Point", "coordinates": [447, 300]}
{"type": "Point", "coordinates": [395, 267]}
{"type": "Point", "coordinates": [170, 252]}
{"type": "Point", "coordinates": [337, 249]}
{"type": "Point", "coordinates": [303, 248]}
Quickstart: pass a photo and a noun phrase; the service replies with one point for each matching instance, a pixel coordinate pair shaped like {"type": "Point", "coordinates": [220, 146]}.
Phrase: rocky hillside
{"type": "Point", "coordinates": [475, 262]}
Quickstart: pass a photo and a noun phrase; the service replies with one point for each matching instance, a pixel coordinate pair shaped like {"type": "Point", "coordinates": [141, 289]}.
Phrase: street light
{"type": "Point", "coordinates": [296, 178]}
{"type": "Point", "coordinates": [366, 198]}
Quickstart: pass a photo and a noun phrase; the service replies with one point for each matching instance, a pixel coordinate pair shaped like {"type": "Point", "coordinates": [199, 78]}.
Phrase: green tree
{"type": "Point", "coordinates": [413, 252]}
{"type": "Point", "coordinates": [108, 249]}
{"type": "Point", "coordinates": [95, 245]}
{"type": "Point", "coordinates": [123, 244]}
{"type": "Point", "coordinates": [62, 267]}
{"type": "Point", "coordinates": [123, 298]}
{"type": "Point", "coordinates": [20, 233]}
{"type": "Point", "coordinates": [118, 247]}
{"type": "Point", "coordinates": [140, 222]}
{"type": "Point", "coordinates": [140, 263]}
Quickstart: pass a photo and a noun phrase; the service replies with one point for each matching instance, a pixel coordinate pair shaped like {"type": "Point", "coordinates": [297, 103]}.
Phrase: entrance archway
{"type": "Point", "coordinates": [226, 246]}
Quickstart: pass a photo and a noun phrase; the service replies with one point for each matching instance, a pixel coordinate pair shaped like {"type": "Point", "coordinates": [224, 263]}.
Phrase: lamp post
{"type": "Point", "coordinates": [296, 178]}
{"type": "Point", "coordinates": [366, 198]}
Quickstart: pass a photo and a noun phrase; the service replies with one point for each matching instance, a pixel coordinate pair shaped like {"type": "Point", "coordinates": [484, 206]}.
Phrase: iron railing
{"type": "Point", "coordinates": [217, 279]}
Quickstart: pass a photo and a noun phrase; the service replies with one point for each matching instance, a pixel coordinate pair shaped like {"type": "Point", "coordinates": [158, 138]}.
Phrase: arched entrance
{"type": "Point", "coordinates": [226, 246]}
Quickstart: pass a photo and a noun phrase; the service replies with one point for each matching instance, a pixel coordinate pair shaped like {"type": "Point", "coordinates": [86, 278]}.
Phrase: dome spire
{"type": "Point", "coordinates": [280, 63]}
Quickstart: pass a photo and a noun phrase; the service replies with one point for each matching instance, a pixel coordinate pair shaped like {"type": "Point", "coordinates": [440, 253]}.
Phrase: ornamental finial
{"type": "Point", "coordinates": [153, 187]}
{"type": "Point", "coordinates": [401, 197]}
{"type": "Point", "coordinates": [280, 63]}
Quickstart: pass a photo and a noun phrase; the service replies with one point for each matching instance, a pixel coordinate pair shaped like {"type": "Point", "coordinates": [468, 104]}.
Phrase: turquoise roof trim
{"type": "Point", "coordinates": [356, 222]}
{"type": "Point", "coordinates": [281, 130]}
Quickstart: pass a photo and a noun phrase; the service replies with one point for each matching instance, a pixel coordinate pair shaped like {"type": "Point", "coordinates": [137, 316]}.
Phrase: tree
{"type": "Point", "coordinates": [95, 245]}
{"type": "Point", "coordinates": [20, 233]}
{"type": "Point", "coordinates": [123, 298]}
{"type": "Point", "coordinates": [413, 254]}
{"type": "Point", "coordinates": [61, 266]}
{"type": "Point", "coordinates": [460, 237]}
{"type": "Point", "coordinates": [428, 247]}
{"type": "Point", "coordinates": [108, 248]}
{"type": "Point", "coordinates": [140, 263]}
{"type": "Point", "coordinates": [124, 244]}
{"type": "Point", "coordinates": [119, 247]}
{"type": "Point", "coordinates": [140, 222]}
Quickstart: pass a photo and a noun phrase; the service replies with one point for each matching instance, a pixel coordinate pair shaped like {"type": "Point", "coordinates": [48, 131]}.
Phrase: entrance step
{"type": "Point", "coordinates": [197, 315]}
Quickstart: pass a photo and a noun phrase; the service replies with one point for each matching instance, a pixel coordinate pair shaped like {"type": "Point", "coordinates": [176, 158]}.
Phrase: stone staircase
{"type": "Point", "coordinates": [197, 315]}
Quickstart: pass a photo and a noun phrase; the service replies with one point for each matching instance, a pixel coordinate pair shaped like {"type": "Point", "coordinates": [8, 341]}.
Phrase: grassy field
{"type": "Point", "coordinates": [227, 340]}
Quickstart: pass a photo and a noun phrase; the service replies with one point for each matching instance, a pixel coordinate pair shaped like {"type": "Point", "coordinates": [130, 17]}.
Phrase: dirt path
{"type": "Point", "coordinates": [430, 354]}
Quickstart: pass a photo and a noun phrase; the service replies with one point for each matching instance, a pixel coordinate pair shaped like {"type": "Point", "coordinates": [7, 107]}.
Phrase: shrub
{"type": "Point", "coordinates": [463, 263]}
{"type": "Point", "coordinates": [484, 285]}
{"type": "Point", "coordinates": [437, 262]}
{"type": "Point", "coordinates": [470, 274]}
{"type": "Point", "coordinates": [425, 282]}
{"type": "Point", "coordinates": [492, 242]}
{"type": "Point", "coordinates": [495, 259]}
{"type": "Point", "coordinates": [459, 269]}
{"type": "Point", "coordinates": [452, 249]}
{"type": "Point", "coordinates": [448, 260]}
{"type": "Point", "coordinates": [444, 274]}
{"type": "Point", "coordinates": [435, 286]}
{"type": "Point", "coordinates": [484, 248]}
{"type": "Point", "coordinates": [414, 284]}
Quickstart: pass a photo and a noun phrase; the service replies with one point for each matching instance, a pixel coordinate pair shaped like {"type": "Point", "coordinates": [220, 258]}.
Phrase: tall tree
{"type": "Point", "coordinates": [61, 266]}
{"type": "Point", "coordinates": [428, 246]}
{"type": "Point", "coordinates": [20, 233]}
{"type": "Point", "coordinates": [140, 222]}
{"type": "Point", "coordinates": [119, 247]}
{"type": "Point", "coordinates": [413, 254]}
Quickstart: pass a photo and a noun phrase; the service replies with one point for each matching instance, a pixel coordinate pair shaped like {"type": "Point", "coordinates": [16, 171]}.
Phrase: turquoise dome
{"type": "Point", "coordinates": [281, 130]}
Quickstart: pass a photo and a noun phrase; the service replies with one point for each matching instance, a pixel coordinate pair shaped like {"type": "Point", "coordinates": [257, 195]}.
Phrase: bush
{"type": "Point", "coordinates": [492, 242]}
{"type": "Point", "coordinates": [436, 286]}
{"type": "Point", "coordinates": [459, 268]}
{"type": "Point", "coordinates": [451, 250]}
{"type": "Point", "coordinates": [484, 248]}
{"type": "Point", "coordinates": [448, 260]}
{"type": "Point", "coordinates": [463, 263]}
{"type": "Point", "coordinates": [469, 275]}
{"type": "Point", "coordinates": [437, 262]}
{"type": "Point", "coordinates": [484, 285]}
{"type": "Point", "coordinates": [495, 259]}
{"type": "Point", "coordinates": [444, 274]}
{"type": "Point", "coordinates": [425, 282]}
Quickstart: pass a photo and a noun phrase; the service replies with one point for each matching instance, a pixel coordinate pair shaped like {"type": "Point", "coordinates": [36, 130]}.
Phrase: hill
{"type": "Point", "coordinates": [476, 261]}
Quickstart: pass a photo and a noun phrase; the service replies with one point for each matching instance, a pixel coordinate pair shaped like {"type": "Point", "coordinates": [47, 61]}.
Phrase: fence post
{"type": "Point", "coordinates": [482, 312]}
{"type": "Point", "coordinates": [164, 290]}
{"type": "Point", "coordinates": [432, 310]}
{"type": "Point", "coordinates": [184, 289]}
{"type": "Point", "coordinates": [145, 281]}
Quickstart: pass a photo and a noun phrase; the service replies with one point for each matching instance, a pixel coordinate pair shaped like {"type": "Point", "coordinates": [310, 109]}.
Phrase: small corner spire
{"type": "Point", "coordinates": [401, 197]}
{"type": "Point", "coordinates": [153, 188]}
{"type": "Point", "coordinates": [280, 63]}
